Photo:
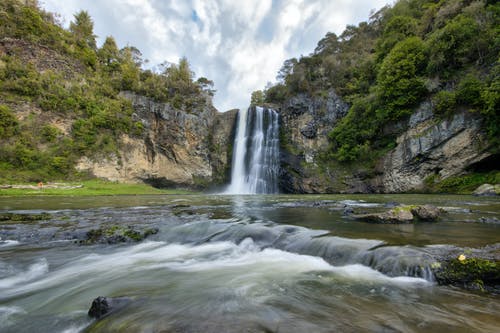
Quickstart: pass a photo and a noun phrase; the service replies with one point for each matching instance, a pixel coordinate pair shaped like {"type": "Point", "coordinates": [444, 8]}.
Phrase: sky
{"type": "Point", "coordinates": [239, 44]}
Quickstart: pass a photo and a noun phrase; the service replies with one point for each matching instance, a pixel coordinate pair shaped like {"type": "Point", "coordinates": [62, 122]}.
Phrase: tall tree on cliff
{"type": "Point", "coordinates": [83, 30]}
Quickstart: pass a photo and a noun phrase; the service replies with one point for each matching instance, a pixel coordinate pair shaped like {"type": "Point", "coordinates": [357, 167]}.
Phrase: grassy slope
{"type": "Point", "coordinates": [95, 187]}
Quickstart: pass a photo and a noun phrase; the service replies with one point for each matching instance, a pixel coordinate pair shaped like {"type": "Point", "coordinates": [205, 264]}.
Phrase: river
{"type": "Point", "coordinates": [261, 263]}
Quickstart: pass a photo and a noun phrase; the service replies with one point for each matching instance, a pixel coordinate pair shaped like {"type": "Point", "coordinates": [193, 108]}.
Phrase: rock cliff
{"type": "Point", "coordinates": [305, 124]}
{"type": "Point", "coordinates": [177, 148]}
{"type": "Point", "coordinates": [427, 147]}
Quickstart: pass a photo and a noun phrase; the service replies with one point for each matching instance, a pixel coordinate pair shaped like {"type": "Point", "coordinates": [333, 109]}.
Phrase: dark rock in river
{"type": "Point", "coordinates": [102, 306]}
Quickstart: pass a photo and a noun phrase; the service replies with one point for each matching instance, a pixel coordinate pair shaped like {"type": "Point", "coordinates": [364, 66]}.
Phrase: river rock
{"type": "Point", "coordinates": [426, 212]}
{"type": "Point", "coordinates": [469, 273]}
{"type": "Point", "coordinates": [102, 306]}
{"type": "Point", "coordinates": [403, 214]}
{"type": "Point", "coordinates": [487, 190]}
{"type": "Point", "coordinates": [117, 234]}
{"type": "Point", "coordinates": [393, 216]}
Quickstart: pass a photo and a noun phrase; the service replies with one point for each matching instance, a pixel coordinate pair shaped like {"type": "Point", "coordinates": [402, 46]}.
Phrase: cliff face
{"type": "Point", "coordinates": [305, 124]}
{"type": "Point", "coordinates": [432, 148]}
{"type": "Point", "coordinates": [177, 148]}
{"type": "Point", "coordinates": [427, 147]}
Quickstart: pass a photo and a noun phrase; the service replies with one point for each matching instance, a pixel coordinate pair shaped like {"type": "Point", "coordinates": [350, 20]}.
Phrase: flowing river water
{"type": "Point", "coordinates": [219, 263]}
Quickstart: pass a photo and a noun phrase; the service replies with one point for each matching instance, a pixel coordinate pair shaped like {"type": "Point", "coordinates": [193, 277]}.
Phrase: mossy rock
{"type": "Point", "coordinates": [117, 234]}
{"type": "Point", "coordinates": [469, 273]}
{"type": "Point", "coordinates": [13, 217]}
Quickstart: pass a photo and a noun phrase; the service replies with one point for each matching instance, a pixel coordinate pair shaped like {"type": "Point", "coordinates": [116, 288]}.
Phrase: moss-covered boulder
{"type": "Point", "coordinates": [469, 273]}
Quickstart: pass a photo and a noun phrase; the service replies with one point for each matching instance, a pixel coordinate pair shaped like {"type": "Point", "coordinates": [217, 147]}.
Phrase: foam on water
{"type": "Point", "coordinates": [222, 257]}
{"type": "Point", "coordinates": [8, 242]}
{"type": "Point", "coordinates": [34, 271]}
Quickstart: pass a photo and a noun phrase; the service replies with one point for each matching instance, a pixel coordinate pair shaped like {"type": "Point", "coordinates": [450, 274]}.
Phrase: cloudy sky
{"type": "Point", "coordinates": [240, 45]}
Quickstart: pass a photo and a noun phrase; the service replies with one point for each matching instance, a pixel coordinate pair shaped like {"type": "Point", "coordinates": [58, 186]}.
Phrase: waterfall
{"type": "Point", "coordinates": [256, 152]}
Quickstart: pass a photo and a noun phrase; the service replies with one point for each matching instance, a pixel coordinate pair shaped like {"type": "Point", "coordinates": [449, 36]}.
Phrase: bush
{"type": "Point", "coordinates": [399, 85]}
{"type": "Point", "coordinates": [9, 126]}
{"type": "Point", "coordinates": [444, 102]}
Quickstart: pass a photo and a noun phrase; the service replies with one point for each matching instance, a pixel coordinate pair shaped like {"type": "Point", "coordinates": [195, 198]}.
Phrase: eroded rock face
{"type": "Point", "coordinates": [427, 146]}
{"type": "Point", "coordinates": [432, 147]}
{"type": "Point", "coordinates": [222, 139]}
{"type": "Point", "coordinates": [305, 124]}
{"type": "Point", "coordinates": [177, 147]}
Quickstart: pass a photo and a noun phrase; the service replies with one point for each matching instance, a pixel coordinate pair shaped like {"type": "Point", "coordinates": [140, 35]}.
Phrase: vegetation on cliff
{"type": "Point", "coordinates": [60, 92]}
{"type": "Point", "coordinates": [446, 51]}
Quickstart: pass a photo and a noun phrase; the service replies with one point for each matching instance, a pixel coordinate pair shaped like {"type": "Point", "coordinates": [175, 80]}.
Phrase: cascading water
{"type": "Point", "coordinates": [256, 152]}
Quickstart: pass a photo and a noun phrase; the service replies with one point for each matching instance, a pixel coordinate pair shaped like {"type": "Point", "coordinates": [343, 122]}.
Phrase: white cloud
{"type": "Point", "coordinates": [240, 45]}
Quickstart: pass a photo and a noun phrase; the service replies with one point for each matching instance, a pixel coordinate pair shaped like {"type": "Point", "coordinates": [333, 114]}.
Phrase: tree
{"type": "Point", "coordinates": [83, 30]}
{"type": "Point", "coordinates": [329, 44]}
{"type": "Point", "coordinates": [8, 122]}
{"type": "Point", "coordinates": [206, 85]}
{"type": "Point", "coordinates": [129, 69]}
{"type": "Point", "coordinates": [286, 69]}
{"type": "Point", "coordinates": [399, 83]}
{"type": "Point", "coordinates": [108, 53]}
{"type": "Point", "coordinates": [257, 98]}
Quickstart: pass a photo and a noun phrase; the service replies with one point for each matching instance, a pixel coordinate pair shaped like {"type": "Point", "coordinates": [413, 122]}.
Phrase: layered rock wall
{"type": "Point", "coordinates": [177, 148]}
{"type": "Point", "coordinates": [426, 146]}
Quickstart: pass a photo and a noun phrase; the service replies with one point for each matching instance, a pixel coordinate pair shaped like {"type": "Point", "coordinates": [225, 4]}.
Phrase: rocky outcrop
{"type": "Point", "coordinates": [487, 190]}
{"type": "Point", "coordinates": [427, 147]}
{"type": "Point", "coordinates": [40, 56]}
{"type": "Point", "coordinates": [432, 147]}
{"type": "Point", "coordinates": [178, 148]}
{"type": "Point", "coordinates": [221, 148]}
{"type": "Point", "coordinates": [305, 124]}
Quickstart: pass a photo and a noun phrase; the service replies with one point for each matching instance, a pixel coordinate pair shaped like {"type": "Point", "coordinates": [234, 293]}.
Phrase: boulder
{"type": "Point", "coordinates": [403, 214]}
{"type": "Point", "coordinates": [426, 212]}
{"type": "Point", "coordinates": [469, 273]}
{"type": "Point", "coordinates": [102, 306]}
{"type": "Point", "coordinates": [487, 190]}
{"type": "Point", "coordinates": [393, 216]}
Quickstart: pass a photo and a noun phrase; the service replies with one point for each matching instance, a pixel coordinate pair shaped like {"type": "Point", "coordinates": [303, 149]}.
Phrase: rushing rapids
{"type": "Point", "coordinates": [256, 152]}
{"type": "Point", "coordinates": [238, 263]}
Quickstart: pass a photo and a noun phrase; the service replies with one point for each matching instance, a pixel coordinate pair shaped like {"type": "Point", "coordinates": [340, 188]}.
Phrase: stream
{"type": "Point", "coordinates": [259, 263]}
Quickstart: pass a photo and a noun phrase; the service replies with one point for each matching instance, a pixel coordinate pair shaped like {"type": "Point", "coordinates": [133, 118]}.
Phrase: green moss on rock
{"type": "Point", "coordinates": [469, 273]}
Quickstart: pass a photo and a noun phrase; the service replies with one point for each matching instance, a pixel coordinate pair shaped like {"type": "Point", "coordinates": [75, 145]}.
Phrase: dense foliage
{"type": "Point", "coordinates": [62, 76]}
{"type": "Point", "coordinates": [445, 50]}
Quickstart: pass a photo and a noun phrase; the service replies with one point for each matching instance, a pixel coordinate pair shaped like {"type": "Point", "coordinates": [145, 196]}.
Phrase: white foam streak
{"type": "Point", "coordinates": [8, 242]}
{"type": "Point", "coordinates": [34, 271]}
{"type": "Point", "coordinates": [225, 258]}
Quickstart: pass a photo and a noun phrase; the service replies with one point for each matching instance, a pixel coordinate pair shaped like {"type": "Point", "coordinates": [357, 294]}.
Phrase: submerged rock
{"type": "Point", "coordinates": [102, 306]}
{"type": "Point", "coordinates": [117, 234]}
{"type": "Point", "coordinates": [487, 190]}
{"type": "Point", "coordinates": [404, 214]}
{"type": "Point", "coordinates": [24, 217]}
